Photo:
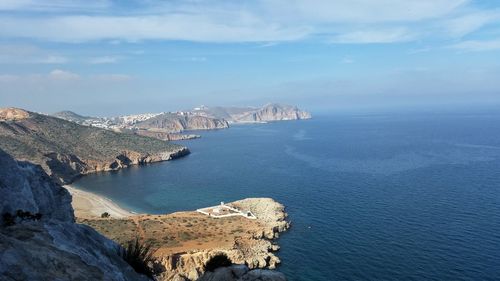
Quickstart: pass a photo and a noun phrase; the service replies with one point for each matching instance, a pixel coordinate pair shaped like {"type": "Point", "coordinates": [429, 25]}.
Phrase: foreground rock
{"type": "Point", "coordinates": [38, 237]}
{"type": "Point", "coordinates": [66, 150]}
{"type": "Point", "coordinates": [243, 273]}
{"type": "Point", "coordinates": [187, 240]}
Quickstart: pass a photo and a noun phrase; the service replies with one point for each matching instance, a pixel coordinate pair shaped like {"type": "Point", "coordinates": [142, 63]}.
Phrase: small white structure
{"type": "Point", "coordinates": [223, 211]}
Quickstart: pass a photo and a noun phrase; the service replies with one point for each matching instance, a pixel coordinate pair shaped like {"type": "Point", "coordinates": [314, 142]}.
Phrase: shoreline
{"type": "Point", "coordinates": [90, 205]}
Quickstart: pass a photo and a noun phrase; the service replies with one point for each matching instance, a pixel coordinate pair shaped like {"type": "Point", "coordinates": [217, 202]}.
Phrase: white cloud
{"type": "Point", "coordinates": [463, 25]}
{"type": "Point", "coordinates": [103, 60]}
{"type": "Point", "coordinates": [271, 21]}
{"type": "Point", "coordinates": [52, 59]}
{"type": "Point", "coordinates": [347, 60]}
{"type": "Point", "coordinates": [8, 78]}
{"type": "Point", "coordinates": [230, 21]}
{"type": "Point", "coordinates": [54, 5]}
{"type": "Point", "coordinates": [58, 74]}
{"type": "Point", "coordinates": [21, 54]}
{"type": "Point", "coordinates": [361, 11]}
{"type": "Point", "coordinates": [112, 77]}
{"type": "Point", "coordinates": [169, 27]}
{"type": "Point", "coordinates": [375, 36]}
{"type": "Point", "coordinates": [190, 59]}
{"type": "Point", "coordinates": [477, 46]}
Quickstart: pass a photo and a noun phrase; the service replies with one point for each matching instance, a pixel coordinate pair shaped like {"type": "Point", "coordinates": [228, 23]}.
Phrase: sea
{"type": "Point", "coordinates": [381, 196]}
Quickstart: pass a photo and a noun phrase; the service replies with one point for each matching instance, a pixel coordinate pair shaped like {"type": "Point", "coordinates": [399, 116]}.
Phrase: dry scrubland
{"type": "Point", "coordinates": [178, 232]}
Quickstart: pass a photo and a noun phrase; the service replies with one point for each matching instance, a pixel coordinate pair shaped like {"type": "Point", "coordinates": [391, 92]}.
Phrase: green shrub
{"type": "Point", "coordinates": [105, 215]}
{"type": "Point", "coordinates": [139, 256]}
{"type": "Point", "coordinates": [219, 260]}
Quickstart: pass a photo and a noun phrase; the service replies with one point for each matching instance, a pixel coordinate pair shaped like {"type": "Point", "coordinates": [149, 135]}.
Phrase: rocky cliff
{"type": "Point", "coordinates": [274, 112]}
{"type": "Point", "coordinates": [267, 113]}
{"type": "Point", "coordinates": [255, 250]}
{"type": "Point", "coordinates": [66, 150]}
{"type": "Point", "coordinates": [38, 237]}
{"type": "Point", "coordinates": [243, 273]}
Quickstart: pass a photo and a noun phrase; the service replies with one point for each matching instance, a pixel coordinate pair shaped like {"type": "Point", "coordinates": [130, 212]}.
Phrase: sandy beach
{"type": "Point", "coordinates": [90, 205]}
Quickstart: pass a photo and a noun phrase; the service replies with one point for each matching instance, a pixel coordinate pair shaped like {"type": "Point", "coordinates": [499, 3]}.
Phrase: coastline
{"type": "Point", "coordinates": [91, 205]}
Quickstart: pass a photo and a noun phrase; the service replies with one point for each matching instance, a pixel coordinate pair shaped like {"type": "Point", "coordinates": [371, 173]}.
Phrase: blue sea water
{"type": "Point", "coordinates": [370, 197]}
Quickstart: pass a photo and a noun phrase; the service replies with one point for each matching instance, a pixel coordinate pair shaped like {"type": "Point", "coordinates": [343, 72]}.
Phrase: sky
{"type": "Point", "coordinates": [108, 58]}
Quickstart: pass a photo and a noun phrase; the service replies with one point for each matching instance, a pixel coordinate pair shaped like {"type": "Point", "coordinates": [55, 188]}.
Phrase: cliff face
{"type": "Point", "coordinates": [66, 150]}
{"type": "Point", "coordinates": [164, 135]}
{"type": "Point", "coordinates": [266, 113]}
{"type": "Point", "coordinates": [38, 237]}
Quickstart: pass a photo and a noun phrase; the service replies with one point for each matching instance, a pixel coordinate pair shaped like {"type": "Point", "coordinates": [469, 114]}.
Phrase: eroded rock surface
{"type": "Point", "coordinates": [39, 239]}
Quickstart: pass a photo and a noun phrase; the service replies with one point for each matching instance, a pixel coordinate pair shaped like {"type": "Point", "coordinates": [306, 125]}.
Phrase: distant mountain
{"type": "Point", "coordinates": [73, 117]}
{"type": "Point", "coordinates": [66, 149]}
{"type": "Point", "coordinates": [178, 122]}
{"type": "Point", "coordinates": [267, 113]}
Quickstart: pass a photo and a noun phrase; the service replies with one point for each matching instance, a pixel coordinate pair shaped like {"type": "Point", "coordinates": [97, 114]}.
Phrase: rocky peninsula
{"type": "Point", "coordinates": [270, 112]}
{"type": "Point", "coordinates": [185, 241]}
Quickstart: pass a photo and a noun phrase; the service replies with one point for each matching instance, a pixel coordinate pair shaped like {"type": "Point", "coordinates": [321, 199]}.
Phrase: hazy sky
{"type": "Point", "coordinates": [116, 57]}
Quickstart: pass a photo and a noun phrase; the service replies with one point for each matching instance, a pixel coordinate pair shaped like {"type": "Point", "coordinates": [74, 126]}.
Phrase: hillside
{"type": "Point", "coordinates": [66, 150]}
{"type": "Point", "coordinates": [267, 113]}
{"type": "Point", "coordinates": [175, 123]}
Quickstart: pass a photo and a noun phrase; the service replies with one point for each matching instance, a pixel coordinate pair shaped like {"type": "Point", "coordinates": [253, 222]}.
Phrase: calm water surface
{"type": "Point", "coordinates": [380, 197]}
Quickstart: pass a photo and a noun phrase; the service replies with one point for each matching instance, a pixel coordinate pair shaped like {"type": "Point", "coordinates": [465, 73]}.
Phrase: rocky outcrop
{"type": "Point", "coordinates": [66, 150]}
{"type": "Point", "coordinates": [38, 237]}
{"type": "Point", "coordinates": [243, 273]}
{"type": "Point", "coordinates": [267, 113]}
{"type": "Point", "coordinates": [271, 213]}
{"type": "Point", "coordinates": [26, 187]}
{"type": "Point", "coordinates": [13, 114]}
